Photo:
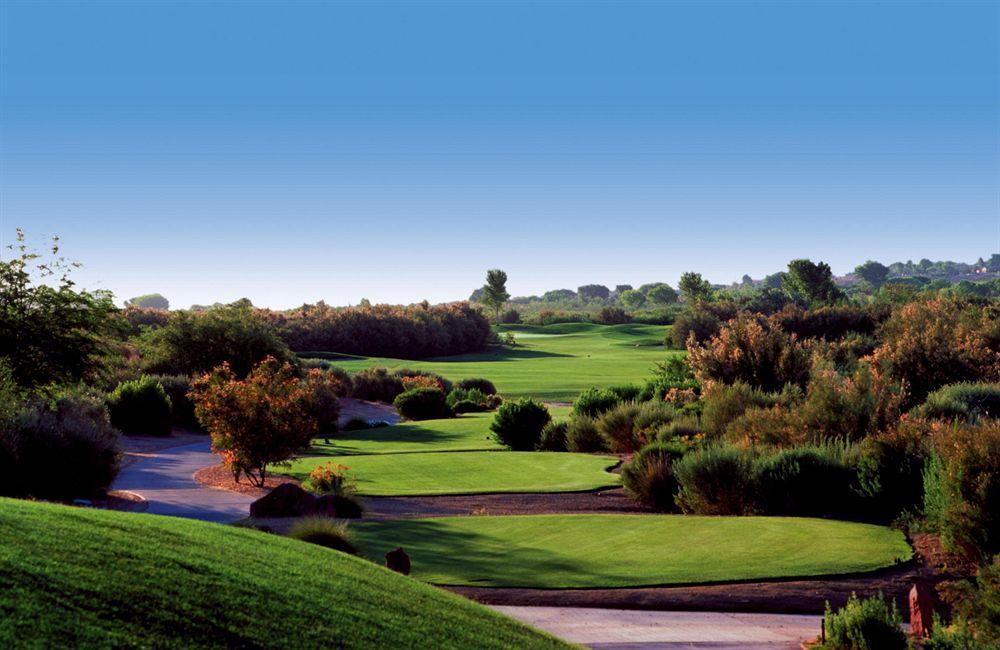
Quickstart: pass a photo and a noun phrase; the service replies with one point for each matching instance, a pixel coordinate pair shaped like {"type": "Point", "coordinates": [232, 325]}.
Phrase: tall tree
{"type": "Point", "coordinates": [149, 301]}
{"type": "Point", "coordinates": [695, 288]}
{"type": "Point", "coordinates": [495, 294]}
{"type": "Point", "coordinates": [632, 299]}
{"type": "Point", "coordinates": [661, 294]}
{"type": "Point", "coordinates": [873, 273]}
{"type": "Point", "coordinates": [811, 283]}
{"type": "Point", "coordinates": [592, 291]}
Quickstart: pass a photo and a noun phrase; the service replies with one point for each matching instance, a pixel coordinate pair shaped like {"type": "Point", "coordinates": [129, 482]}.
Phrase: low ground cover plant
{"type": "Point", "coordinates": [518, 425]}
{"type": "Point", "coordinates": [140, 407]}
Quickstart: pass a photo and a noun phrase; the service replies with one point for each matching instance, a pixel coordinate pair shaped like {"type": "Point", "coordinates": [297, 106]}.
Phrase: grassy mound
{"type": "Point", "coordinates": [468, 472]}
{"type": "Point", "coordinates": [551, 362]}
{"type": "Point", "coordinates": [71, 577]}
{"type": "Point", "coordinates": [559, 551]}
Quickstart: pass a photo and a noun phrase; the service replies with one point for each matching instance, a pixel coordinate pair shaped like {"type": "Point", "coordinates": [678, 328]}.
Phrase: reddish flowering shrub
{"type": "Point", "coordinates": [926, 345]}
{"type": "Point", "coordinates": [263, 419]}
{"type": "Point", "coordinates": [422, 381]}
{"type": "Point", "coordinates": [751, 349]}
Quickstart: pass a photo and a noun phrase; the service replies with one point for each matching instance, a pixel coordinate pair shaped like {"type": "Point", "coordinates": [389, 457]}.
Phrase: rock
{"type": "Point", "coordinates": [398, 561]}
{"type": "Point", "coordinates": [286, 500]}
{"type": "Point", "coordinates": [332, 505]}
{"type": "Point", "coordinates": [921, 610]}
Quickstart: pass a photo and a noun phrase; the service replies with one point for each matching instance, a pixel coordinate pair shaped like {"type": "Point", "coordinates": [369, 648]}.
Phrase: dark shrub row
{"type": "Point", "coordinates": [410, 332]}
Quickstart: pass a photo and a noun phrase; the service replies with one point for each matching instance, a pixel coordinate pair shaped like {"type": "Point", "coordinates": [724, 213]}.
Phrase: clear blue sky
{"type": "Point", "coordinates": [291, 152]}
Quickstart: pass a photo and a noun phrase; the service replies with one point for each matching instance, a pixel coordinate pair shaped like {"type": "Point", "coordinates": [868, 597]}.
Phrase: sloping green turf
{"type": "Point", "coordinates": [85, 578]}
{"type": "Point", "coordinates": [553, 362]}
{"type": "Point", "coordinates": [556, 551]}
{"type": "Point", "coordinates": [468, 472]}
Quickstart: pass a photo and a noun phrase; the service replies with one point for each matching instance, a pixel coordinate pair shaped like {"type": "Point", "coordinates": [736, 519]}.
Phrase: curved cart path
{"type": "Point", "coordinates": [165, 479]}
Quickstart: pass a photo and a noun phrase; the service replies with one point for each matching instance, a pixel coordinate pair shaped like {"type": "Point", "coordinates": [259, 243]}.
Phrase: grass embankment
{"type": "Point", "coordinates": [85, 578]}
{"type": "Point", "coordinates": [468, 472]}
{"type": "Point", "coordinates": [552, 362]}
{"type": "Point", "coordinates": [563, 551]}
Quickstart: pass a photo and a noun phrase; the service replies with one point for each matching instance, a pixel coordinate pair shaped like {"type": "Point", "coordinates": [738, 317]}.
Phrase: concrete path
{"type": "Point", "coordinates": [165, 478]}
{"type": "Point", "coordinates": [623, 629]}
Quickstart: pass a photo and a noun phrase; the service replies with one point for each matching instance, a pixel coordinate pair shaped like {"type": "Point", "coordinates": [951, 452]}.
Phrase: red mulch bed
{"type": "Point", "coordinates": [221, 478]}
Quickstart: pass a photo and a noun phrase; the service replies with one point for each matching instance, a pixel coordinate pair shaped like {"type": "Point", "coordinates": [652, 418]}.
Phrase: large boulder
{"type": "Point", "coordinates": [398, 561]}
{"type": "Point", "coordinates": [286, 500]}
{"type": "Point", "coordinates": [332, 505]}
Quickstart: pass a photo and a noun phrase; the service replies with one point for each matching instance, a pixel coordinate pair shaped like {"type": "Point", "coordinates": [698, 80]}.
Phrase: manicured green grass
{"type": "Point", "coordinates": [468, 472]}
{"type": "Point", "coordinates": [85, 578]}
{"type": "Point", "coordinates": [554, 362]}
{"type": "Point", "coordinates": [469, 432]}
{"type": "Point", "coordinates": [560, 551]}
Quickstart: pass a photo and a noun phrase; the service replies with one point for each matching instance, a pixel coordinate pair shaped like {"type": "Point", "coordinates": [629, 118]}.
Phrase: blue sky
{"type": "Point", "coordinates": [291, 152]}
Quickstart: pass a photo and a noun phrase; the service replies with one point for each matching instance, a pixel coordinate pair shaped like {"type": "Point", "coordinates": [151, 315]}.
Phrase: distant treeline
{"type": "Point", "coordinates": [406, 332]}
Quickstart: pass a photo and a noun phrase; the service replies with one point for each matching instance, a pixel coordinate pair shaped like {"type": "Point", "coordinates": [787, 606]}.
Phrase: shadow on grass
{"type": "Point", "coordinates": [344, 443]}
{"type": "Point", "coordinates": [499, 354]}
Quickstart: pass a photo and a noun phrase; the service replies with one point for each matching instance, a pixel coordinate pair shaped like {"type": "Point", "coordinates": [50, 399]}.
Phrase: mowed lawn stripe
{"type": "Point", "coordinates": [468, 472]}
{"type": "Point", "coordinates": [597, 550]}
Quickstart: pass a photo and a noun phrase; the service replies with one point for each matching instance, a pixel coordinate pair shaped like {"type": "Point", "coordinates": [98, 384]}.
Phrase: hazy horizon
{"type": "Point", "coordinates": [296, 152]}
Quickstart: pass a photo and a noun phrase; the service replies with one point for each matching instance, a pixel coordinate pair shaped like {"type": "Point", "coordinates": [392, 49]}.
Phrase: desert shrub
{"type": "Point", "coordinates": [890, 470]}
{"type": "Point", "coordinates": [196, 342]}
{"type": "Point", "coordinates": [965, 401]}
{"type": "Point", "coordinates": [376, 385]}
{"type": "Point", "coordinates": [262, 419]}
{"type": "Point", "coordinates": [753, 350]}
{"type": "Point", "coordinates": [838, 407]}
{"type": "Point", "coordinates": [518, 425]}
{"type": "Point", "coordinates": [401, 332]}
{"type": "Point", "coordinates": [830, 322]}
{"type": "Point", "coordinates": [553, 437]}
{"type": "Point", "coordinates": [806, 481]}
{"type": "Point", "coordinates": [961, 493]}
{"type": "Point", "coordinates": [864, 624]}
{"type": "Point", "coordinates": [612, 316]}
{"type": "Point", "coordinates": [582, 436]}
{"type": "Point", "coordinates": [765, 426]}
{"type": "Point", "coordinates": [61, 448]}
{"type": "Point", "coordinates": [930, 344]}
{"type": "Point", "coordinates": [140, 318]}
{"type": "Point", "coordinates": [617, 427]}
{"type": "Point", "coordinates": [140, 407]}
{"type": "Point", "coordinates": [594, 401]}
{"type": "Point", "coordinates": [976, 613]}
{"type": "Point", "coordinates": [686, 427]}
{"type": "Point", "coordinates": [324, 390]}
{"type": "Point", "coordinates": [649, 477]}
{"type": "Point", "coordinates": [324, 531]}
{"type": "Point", "coordinates": [723, 404]}
{"type": "Point", "coordinates": [716, 480]}
{"type": "Point", "coordinates": [672, 375]}
{"type": "Point", "coordinates": [652, 417]}
{"type": "Point", "coordinates": [511, 317]}
{"type": "Point", "coordinates": [181, 407]}
{"type": "Point", "coordinates": [698, 325]}
{"type": "Point", "coordinates": [422, 404]}
{"type": "Point", "coordinates": [475, 396]}
{"type": "Point", "coordinates": [484, 386]}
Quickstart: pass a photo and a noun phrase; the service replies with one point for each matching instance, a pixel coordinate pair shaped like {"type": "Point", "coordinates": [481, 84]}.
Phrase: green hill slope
{"type": "Point", "coordinates": [71, 577]}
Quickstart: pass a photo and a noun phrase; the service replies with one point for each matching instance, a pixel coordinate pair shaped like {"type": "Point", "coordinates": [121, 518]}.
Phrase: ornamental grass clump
{"type": "Point", "coordinates": [518, 425]}
{"type": "Point", "coordinates": [324, 531]}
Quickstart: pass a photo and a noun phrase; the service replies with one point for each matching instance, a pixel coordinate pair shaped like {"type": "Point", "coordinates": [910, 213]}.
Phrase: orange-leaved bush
{"type": "Point", "coordinates": [265, 418]}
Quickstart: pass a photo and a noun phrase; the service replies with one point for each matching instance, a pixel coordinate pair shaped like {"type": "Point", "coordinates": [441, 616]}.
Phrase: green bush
{"type": "Point", "coordinates": [617, 426]}
{"type": "Point", "coordinates": [684, 427]}
{"type": "Point", "coordinates": [653, 417]}
{"type": "Point", "coordinates": [716, 480]}
{"type": "Point", "coordinates": [140, 407]}
{"type": "Point", "coordinates": [806, 481]}
{"type": "Point", "coordinates": [485, 386]}
{"type": "Point", "coordinates": [324, 531]}
{"type": "Point", "coordinates": [376, 385]}
{"type": "Point", "coordinates": [698, 323]}
{"type": "Point", "coordinates": [594, 401]}
{"type": "Point", "coordinates": [965, 401]}
{"type": "Point", "coordinates": [649, 477]}
{"type": "Point", "coordinates": [62, 449]}
{"type": "Point", "coordinates": [582, 436]}
{"type": "Point", "coordinates": [864, 625]}
{"type": "Point", "coordinates": [890, 471]}
{"type": "Point", "coordinates": [553, 437]}
{"type": "Point", "coordinates": [422, 404]}
{"type": "Point", "coordinates": [181, 407]}
{"type": "Point", "coordinates": [612, 316]}
{"type": "Point", "coordinates": [518, 425]}
{"type": "Point", "coordinates": [724, 404]}
{"type": "Point", "coordinates": [468, 406]}
{"type": "Point", "coordinates": [325, 389]}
